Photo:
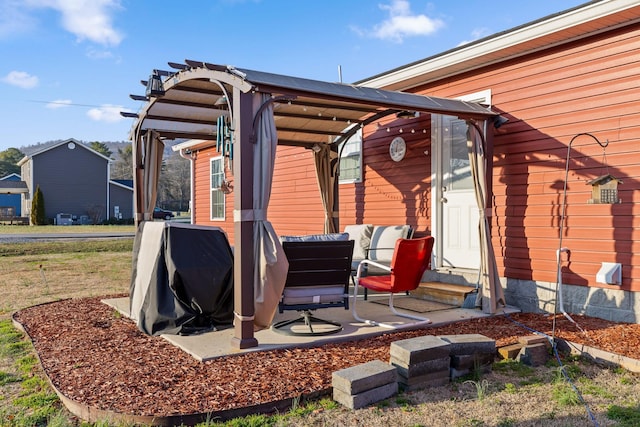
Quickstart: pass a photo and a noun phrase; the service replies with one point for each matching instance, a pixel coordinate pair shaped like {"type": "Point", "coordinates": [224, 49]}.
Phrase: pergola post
{"type": "Point", "coordinates": [243, 263]}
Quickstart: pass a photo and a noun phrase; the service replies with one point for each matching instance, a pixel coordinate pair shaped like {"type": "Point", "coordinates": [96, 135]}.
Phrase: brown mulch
{"type": "Point", "coordinates": [101, 360]}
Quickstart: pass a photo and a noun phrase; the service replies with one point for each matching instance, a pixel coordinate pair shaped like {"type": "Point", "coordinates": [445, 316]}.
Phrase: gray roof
{"type": "Point", "coordinates": [13, 187]}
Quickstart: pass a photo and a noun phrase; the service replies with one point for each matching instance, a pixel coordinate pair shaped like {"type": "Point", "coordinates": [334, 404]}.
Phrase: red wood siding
{"type": "Point", "coordinates": [202, 196]}
{"type": "Point", "coordinates": [592, 85]}
{"type": "Point", "coordinates": [295, 206]}
{"type": "Point", "coordinates": [392, 192]}
{"type": "Point", "coordinates": [588, 86]}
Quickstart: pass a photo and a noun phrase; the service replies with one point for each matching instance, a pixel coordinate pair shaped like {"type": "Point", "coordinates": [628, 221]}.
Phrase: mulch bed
{"type": "Point", "coordinates": [101, 360]}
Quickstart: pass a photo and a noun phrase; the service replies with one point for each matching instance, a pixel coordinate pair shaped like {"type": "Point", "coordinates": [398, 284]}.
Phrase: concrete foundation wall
{"type": "Point", "coordinates": [610, 304]}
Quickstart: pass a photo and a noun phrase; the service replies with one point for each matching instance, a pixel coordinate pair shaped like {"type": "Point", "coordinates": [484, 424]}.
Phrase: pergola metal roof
{"type": "Point", "coordinates": [306, 112]}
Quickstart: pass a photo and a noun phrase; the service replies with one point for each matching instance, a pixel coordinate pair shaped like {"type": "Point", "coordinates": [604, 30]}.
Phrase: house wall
{"type": "Point", "coordinates": [123, 198]}
{"type": "Point", "coordinates": [392, 192]}
{"type": "Point", "coordinates": [551, 96]}
{"type": "Point", "coordinates": [11, 200]}
{"type": "Point", "coordinates": [295, 206]}
{"type": "Point", "coordinates": [72, 181]}
{"type": "Point", "coordinates": [25, 201]}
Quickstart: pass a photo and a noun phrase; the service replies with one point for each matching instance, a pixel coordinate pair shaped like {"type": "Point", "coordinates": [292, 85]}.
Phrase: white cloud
{"type": "Point", "coordinates": [106, 113]}
{"type": "Point", "coordinates": [58, 103]}
{"type": "Point", "coordinates": [402, 23]}
{"type": "Point", "coordinates": [21, 79]}
{"type": "Point", "coordinates": [87, 19]}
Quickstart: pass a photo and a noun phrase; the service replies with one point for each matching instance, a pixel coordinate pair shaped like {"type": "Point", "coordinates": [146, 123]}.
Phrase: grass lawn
{"type": "Point", "coordinates": [512, 395]}
{"type": "Point", "coordinates": [49, 229]}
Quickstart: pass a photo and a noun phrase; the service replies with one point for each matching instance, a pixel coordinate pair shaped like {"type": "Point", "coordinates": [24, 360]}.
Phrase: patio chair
{"type": "Point", "coordinates": [411, 257]}
{"type": "Point", "coordinates": [375, 243]}
{"type": "Point", "coordinates": [318, 277]}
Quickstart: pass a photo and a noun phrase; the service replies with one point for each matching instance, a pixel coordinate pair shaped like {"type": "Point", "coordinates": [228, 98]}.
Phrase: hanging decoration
{"type": "Point", "coordinates": [224, 146]}
{"type": "Point", "coordinates": [224, 138]}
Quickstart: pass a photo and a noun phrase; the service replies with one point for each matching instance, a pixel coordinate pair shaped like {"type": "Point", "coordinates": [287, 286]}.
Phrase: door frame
{"type": "Point", "coordinates": [437, 187]}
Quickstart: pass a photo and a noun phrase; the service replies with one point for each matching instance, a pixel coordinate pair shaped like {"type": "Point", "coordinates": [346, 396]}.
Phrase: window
{"type": "Point", "coordinates": [217, 195]}
{"type": "Point", "coordinates": [351, 159]}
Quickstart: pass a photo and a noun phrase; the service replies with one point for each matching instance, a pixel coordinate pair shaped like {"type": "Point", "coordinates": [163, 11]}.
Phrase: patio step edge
{"type": "Point", "coordinates": [446, 293]}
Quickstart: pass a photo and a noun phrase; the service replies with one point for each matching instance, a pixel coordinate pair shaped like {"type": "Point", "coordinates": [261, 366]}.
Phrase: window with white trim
{"type": "Point", "coordinates": [351, 159]}
{"type": "Point", "coordinates": [217, 205]}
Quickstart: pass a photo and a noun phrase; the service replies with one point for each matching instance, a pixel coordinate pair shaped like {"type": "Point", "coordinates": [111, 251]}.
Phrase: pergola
{"type": "Point", "coordinates": [248, 113]}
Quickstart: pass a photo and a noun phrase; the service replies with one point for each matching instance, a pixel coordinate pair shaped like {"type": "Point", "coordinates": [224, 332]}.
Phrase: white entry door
{"type": "Point", "coordinates": [458, 219]}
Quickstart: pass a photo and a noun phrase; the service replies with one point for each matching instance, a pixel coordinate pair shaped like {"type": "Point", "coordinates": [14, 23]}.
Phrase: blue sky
{"type": "Point", "coordinates": [68, 66]}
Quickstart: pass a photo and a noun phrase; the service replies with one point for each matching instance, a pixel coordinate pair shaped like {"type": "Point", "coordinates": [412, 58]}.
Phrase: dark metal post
{"type": "Point", "coordinates": [243, 263]}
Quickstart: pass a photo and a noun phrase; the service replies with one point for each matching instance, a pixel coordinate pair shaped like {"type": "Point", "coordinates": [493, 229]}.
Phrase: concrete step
{"type": "Point", "coordinates": [446, 293]}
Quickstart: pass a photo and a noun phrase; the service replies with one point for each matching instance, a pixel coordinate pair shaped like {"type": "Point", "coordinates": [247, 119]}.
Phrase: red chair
{"type": "Point", "coordinates": [411, 258]}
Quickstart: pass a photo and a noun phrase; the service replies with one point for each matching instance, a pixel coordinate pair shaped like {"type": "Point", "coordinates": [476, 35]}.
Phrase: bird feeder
{"type": "Point", "coordinates": [604, 190]}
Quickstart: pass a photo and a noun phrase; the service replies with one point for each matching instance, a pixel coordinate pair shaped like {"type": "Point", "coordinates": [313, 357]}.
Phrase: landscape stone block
{"type": "Point", "coordinates": [433, 379]}
{"type": "Point", "coordinates": [510, 351]}
{"type": "Point", "coordinates": [366, 376]}
{"type": "Point", "coordinates": [408, 371]}
{"type": "Point", "coordinates": [472, 361]}
{"type": "Point", "coordinates": [419, 349]}
{"type": "Point", "coordinates": [469, 344]}
{"type": "Point", "coordinates": [534, 355]}
{"type": "Point", "coordinates": [360, 400]}
{"type": "Point", "coordinates": [534, 339]}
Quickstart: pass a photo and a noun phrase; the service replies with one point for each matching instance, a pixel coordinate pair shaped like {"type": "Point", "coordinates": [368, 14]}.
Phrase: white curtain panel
{"type": "Point", "coordinates": [147, 161]}
{"type": "Point", "coordinates": [271, 265]}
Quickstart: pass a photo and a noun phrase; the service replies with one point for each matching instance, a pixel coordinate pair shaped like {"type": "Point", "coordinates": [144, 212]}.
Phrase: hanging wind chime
{"type": "Point", "coordinates": [224, 146]}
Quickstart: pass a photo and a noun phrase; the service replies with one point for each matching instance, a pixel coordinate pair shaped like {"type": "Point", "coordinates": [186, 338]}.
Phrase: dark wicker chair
{"type": "Point", "coordinates": [318, 278]}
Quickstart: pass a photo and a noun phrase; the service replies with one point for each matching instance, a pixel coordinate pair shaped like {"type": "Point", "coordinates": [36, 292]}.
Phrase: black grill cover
{"type": "Point", "coordinates": [182, 279]}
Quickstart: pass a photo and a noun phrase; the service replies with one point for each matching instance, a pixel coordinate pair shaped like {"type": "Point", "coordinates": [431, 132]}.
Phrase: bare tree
{"type": "Point", "coordinates": [96, 213]}
{"type": "Point", "coordinates": [122, 168]}
{"type": "Point", "coordinates": [174, 186]}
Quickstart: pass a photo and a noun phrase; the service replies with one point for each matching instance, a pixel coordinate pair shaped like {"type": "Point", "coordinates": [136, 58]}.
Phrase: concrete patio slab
{"type": "Point", "coordinates": [210, 345]}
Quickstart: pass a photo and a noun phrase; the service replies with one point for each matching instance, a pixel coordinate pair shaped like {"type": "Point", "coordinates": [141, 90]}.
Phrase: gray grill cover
{"type": "Point", "coordinates": [182, 279]}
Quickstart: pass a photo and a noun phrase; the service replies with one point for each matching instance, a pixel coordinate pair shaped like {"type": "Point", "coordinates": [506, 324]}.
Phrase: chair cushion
{"type": "Point", "coordinates": [313, 294]}
{"type": "Point", "coordinates": [376, 283]}
{"type": "Point", "coordinates": [315, 237]}
{"type": "Point", "coordinates": [361, 234]}
{"type": "Point", "coordinates": [383, 240]}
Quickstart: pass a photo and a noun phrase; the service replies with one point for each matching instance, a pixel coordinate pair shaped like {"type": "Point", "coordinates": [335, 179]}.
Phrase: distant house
{"type": "Point", "coordinates": [75, 181]}
{"type": "Point", "coordinates": [11, 188]}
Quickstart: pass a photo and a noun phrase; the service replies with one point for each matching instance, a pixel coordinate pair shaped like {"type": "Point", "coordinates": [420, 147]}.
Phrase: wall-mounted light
{"type": "Point", "coordinates": [499, 121]}
{"type": "Point", "coordinates": [155, 88]}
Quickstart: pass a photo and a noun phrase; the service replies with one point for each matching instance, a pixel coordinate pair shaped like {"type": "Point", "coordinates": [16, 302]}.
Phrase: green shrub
{"type": "Point", "coordinates": [37, 208]}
